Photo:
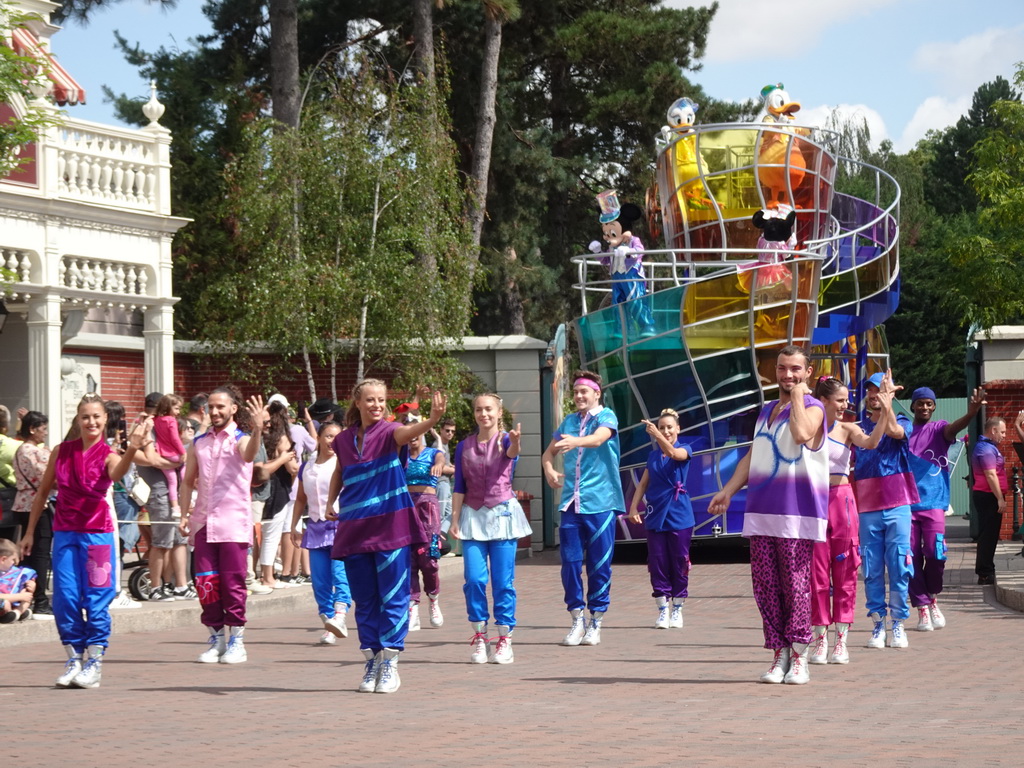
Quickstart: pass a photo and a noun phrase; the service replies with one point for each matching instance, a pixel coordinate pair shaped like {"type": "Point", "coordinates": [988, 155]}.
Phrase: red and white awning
{"type": "Point", "coordinates": [66, 90]}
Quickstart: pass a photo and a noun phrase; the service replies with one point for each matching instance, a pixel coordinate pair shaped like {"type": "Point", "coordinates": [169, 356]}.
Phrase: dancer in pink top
{"type": "Point", "coordinates": [219, 468]}
{"type": "Point", "coordinates": [84, 543]}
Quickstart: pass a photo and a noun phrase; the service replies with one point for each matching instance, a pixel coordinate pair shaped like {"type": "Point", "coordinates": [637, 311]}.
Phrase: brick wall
{"type": "Point", "coordinates": [122, 376]}
{"type": "Point", "coordinates": [1005, 398]}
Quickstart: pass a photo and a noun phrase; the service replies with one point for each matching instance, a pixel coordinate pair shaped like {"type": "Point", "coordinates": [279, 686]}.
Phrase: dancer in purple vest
{"type": "Point", "coordinates": [668, 519]}
{"type": "Point", "coordinates": [219, 467]}
{"type": "Point", "coordinates": [85, 547]}
{"type": "Point", "coordinates": [488, 519]}
{"type": "Point", "coordinates": [787, 511]}
{"type": "Point", "coordinates": [929, 443]}
{"type": "Point", "coordinates": [377, 523]}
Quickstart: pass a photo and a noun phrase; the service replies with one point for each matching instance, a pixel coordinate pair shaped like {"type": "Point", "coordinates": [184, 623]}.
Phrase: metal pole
{"type": "Point", "coordinates": [1015, 478]}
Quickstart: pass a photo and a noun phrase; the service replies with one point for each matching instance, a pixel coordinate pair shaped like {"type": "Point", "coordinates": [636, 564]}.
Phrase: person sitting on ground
{"type": "Point", "coordinates": [17, 585]}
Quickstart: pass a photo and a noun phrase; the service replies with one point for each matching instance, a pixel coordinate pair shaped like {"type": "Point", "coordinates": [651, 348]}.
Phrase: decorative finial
{"type": "Point", "coordinates": [153, 109]}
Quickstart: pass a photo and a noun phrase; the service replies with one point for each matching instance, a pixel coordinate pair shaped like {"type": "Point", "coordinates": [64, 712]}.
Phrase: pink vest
{"type": "Point", "coordinates": [223, 484]}
{"type": "Point", "coordinates": [82, 484]}
{"type": "Point", "coordinates": [488, 472]}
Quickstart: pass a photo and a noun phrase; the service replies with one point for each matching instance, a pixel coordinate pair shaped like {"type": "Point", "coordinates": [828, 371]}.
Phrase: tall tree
{"type": "Point", "coordinates": [284, 61]}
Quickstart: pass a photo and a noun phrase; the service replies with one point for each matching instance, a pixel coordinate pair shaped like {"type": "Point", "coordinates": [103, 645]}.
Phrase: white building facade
{"type": "Point", "coordinates": [86, 231]}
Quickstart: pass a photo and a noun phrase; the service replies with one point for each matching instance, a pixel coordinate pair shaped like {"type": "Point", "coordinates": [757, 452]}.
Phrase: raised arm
{"type": "Point", "coordinates": [118, 466]}
{"type": "Point", "coordinates": [251, 445]}
{"type": "Point", "coordinates": [672, 451]}
{"type": "Point", "coordinates": [514, 439]}
{"type": "Point", "coordinates": [804, 423]}
{"type": "Point", "coordinates": [974, 406]}
{"type": "Point", "coordinates": [405, 433]}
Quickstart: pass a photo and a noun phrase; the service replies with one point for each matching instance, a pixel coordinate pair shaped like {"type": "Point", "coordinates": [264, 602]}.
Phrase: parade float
{"type": "Point", "coordinates": [760, 251]}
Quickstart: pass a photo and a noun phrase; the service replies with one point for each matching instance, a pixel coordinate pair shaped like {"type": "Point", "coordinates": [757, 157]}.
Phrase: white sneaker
{"type": "Point", "coordinates": [877, 639]}
{"type": "Point", "coordinates": [924, 619]}
{"type": "Point", "coordinates": [259, 588]}
{"type": "Point", "coordinates": [436, 617]}
{"type": "Point", "coordinates": [593, 633]}
{"type": "Point", "coordinates": [388, 680]}
{"type": "Point", "coordinates": [92, 669]}
{"type": "Point", "coordinates": [335, 624]}
{"type": "Point", "coordinates": [503, 648]}
{"type": "Point", "coordinates": [662, 621]}
{"type": "Point", "coordinates": [577, 630]}
{"type": "Point", "coordinates": [124, 602]}
{"type": "Point", "coordinates": [799, 672]}
{"type": "Point", "coordinates": [899, 635]}
{"type": "Point", "coordinates": [938, 619]}
{"type": "Point", "coordinates": [780, 666]}
{"type": "Point", "coordinates": [327, 638]}
{"type": "Point", "coordinates": [414, 617]}
{"type": "Point", "coordinates": [479, 643]}
{"type": "Point", "coordinates": [217, 647]}
{"type": "Point", "coordinates": [369, 681]}
{"type": "Point", "coordinates": [675, 620]}
{"type": "Point", "coordinates": [840, 653]}
{"type": "Point", "coordinates": [71, 668]}
{"type": "Point", "coordinates": [235, 652]}
{"type": "Point", "coordinates": [819, 647]}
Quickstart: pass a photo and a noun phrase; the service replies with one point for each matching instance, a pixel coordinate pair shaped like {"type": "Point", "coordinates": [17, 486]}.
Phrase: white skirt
{"type": "Point", "coordinates": [500, 522]}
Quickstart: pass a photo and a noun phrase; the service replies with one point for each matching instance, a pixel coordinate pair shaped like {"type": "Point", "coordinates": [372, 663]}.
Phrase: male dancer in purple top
{"type": "Point", "coordinates": [787, 511]}
{"type": "Point", "coordinates": [929, 443]}
{"type": "Point", "coordinates": [989, 492]}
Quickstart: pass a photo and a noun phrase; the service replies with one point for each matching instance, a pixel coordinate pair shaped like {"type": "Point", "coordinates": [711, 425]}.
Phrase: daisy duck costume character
{"type": "Point", "coordinates": [781, 166]}
{"type": "Point", "coordinates": [626, 260]}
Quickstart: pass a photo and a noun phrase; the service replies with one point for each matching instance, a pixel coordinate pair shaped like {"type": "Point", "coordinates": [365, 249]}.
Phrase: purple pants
{"type": "Point", "coordinates": [926, 580]}
{"type": "Point", "coordinates": [668, 562]}
{"type": "Point", "coordinates": [220, 580]}
{"type": "Point", "coordinates": [835, 562]}
{"type": "Point", "coordinates": [423, 563]}
{"type": "Point", "coordinates": [780, 570]}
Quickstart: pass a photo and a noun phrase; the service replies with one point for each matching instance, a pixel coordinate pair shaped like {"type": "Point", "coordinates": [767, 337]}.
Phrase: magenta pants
{"type": "Point", "coordinates": [926, 580]}
{"type": "Point", "coordinates": [835, 562]}
{"type": "Point", "coordinates": [220, 580]}
{"type": "Point", "coordinates": [780, 571]}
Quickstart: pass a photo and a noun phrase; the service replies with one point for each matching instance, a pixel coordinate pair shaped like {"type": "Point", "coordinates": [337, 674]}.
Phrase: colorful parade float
{"type": "Point", "coordinates": [761, 250]}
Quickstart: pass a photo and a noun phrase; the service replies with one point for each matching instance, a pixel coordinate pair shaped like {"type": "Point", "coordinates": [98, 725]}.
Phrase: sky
{"type": "Point", "coordinates": [906, 66]}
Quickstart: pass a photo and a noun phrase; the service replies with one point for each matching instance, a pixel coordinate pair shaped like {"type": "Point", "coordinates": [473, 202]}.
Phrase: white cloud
{"type": "Point", "coordinates": [935, 112]}
{"type": "Point", "coordinates": [964, 64]}
{"type": "Point", "coordinates": [741, 29]}
{"type": "Point", "coordinates": [820, 116]}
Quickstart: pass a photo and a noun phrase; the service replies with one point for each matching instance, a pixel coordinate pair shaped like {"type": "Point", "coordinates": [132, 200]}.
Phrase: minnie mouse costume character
{"type": "Point", "coordinates": [626, 261]}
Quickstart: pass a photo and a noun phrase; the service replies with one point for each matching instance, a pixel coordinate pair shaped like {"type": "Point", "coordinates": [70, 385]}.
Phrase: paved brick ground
{"type": "Point", "coordinates": [644, 697]}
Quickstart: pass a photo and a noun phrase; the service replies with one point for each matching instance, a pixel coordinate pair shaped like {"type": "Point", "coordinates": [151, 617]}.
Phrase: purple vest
{"type": "Point", "coordinates": [486, 470]}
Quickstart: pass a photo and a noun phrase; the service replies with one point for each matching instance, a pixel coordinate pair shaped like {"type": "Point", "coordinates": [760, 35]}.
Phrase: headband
{"type": "Point", "coordinates": [582, 382]}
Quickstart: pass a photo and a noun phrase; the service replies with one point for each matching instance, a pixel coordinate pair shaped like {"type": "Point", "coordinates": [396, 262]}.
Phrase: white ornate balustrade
{"type": "Point", "coordinates": [85, 282]}
{"type": "Point", "coordinates": [105, 168]}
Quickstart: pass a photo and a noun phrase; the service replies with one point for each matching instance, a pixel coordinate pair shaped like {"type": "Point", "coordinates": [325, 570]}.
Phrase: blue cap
{"type": "Point", "coordinates": [922, 393]}
{"type": "Point", "coordinates": [875, 379]}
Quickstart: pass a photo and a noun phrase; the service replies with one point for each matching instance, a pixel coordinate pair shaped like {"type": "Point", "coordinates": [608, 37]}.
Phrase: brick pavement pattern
{"type": "Point", "coordinates": [643, 697]}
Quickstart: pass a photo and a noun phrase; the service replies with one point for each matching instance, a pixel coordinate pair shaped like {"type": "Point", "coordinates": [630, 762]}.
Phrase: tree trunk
{"type": "Point", "coordinates": [484, 130]}
{"type": "Point", "coordinates": [511, 298]}
{"type": "Point", "coordinates": [284, 61]}
{"type": "Point", "coordinates": [423, 39]}
{"type": "Point", "coordinates": [309, 373]}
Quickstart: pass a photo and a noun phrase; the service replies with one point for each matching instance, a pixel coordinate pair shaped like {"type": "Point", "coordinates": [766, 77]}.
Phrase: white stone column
{"type": "Point", "coordinates": [44, 380]}
{"type": "Point", "coordinates": [158, 330]}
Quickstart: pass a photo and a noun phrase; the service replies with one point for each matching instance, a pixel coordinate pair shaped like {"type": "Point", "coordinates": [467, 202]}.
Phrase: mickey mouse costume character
{"type": "Point", "coordinates": [626, 262]}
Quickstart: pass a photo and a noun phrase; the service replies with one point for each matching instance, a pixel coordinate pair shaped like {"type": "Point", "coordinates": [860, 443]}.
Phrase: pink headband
{"type": "Point", "coordinates": [581, 382]}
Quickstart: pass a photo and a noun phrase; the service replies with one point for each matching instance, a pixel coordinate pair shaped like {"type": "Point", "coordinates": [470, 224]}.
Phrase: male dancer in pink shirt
{"type": "Point", "coordinates": [219, 468]}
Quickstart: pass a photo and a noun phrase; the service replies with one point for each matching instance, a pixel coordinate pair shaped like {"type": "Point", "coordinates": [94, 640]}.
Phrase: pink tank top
{"type": "Point", "coordinates": [838, 458]}
{"type": "Point", "coordinates": [82, 483]}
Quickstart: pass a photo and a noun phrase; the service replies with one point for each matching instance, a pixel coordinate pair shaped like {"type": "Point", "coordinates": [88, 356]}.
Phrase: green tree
{"type": "Point", "coordinates": [330, 218]}
{"type": "Point", "coordinates": [986, 264]}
